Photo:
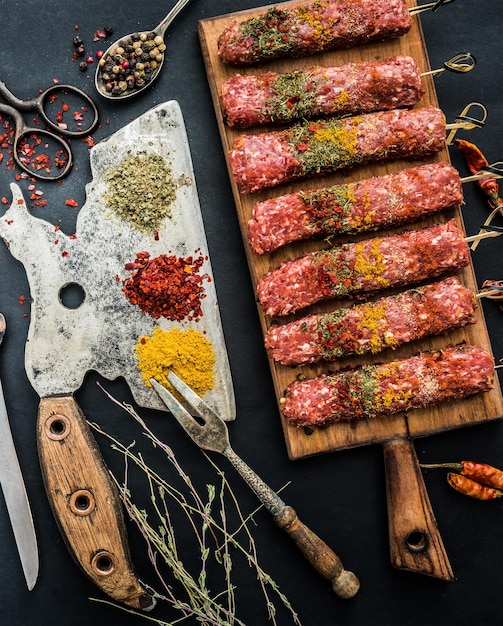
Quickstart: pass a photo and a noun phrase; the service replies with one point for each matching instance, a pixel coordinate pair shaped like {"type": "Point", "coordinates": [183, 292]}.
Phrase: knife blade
{"type": "Point", "coordinates": [14, 492]}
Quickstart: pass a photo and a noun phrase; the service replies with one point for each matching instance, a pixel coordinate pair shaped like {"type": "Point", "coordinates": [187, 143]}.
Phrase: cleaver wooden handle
{"type": "Point", "coordinates": [85, 501]}
{"type": "Point", "coordinates": [415, 541]}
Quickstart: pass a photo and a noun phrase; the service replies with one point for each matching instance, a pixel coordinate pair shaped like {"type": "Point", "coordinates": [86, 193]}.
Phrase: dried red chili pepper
{"type": "Point", "coordinates": [166, 286]}
{"type": "Point", "coordinates": [481, 472]}
{"type": "Point", "coordinates": [472, 488]}
{"type": "Point", "coordinates": [476, 162]}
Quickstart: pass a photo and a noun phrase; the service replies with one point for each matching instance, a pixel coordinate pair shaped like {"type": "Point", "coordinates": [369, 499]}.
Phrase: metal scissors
{"type": "Point", "coordinates": [31, 146]}
{"type": "Point", "coordinates": [210, 432]}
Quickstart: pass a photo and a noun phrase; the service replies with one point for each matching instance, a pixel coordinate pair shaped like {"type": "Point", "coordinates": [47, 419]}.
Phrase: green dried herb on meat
{"type": "Point", "coordinates": [270, 33]}
{"type": "Point", "coordinates": [294, 97]}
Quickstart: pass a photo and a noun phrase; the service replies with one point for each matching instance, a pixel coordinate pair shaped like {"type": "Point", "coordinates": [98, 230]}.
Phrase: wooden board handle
{"type": "Point", "coordinates": [85, 501]}
{"type": "Point", "coordinates": [415, 541]}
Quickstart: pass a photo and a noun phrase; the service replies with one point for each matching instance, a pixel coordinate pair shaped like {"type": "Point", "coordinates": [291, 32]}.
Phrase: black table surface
{"type": "Point", "coordinates": [342, 495]}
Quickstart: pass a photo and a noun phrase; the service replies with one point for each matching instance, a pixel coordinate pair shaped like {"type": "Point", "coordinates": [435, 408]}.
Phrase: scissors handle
{"type": "Point", "coordinates": [8, 96]}
{"type": "Point", "coordinates": [40, 104]}
{"type": "Point", "coordinates": [87, 101]}
{"type": "Point", "coordinates": [38, 163]}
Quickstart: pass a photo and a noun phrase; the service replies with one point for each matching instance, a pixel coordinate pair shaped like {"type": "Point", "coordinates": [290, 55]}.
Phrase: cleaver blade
{"type": "Point", "coordinates": [99, 334]}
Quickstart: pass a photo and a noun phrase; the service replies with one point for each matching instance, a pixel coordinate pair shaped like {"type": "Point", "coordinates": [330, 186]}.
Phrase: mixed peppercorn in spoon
{"type": "Point", "coordinates": [132, 63]}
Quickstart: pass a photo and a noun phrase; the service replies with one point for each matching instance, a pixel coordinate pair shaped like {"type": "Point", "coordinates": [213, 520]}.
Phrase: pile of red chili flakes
{"type": "Point", "coordinates": [166, 286]}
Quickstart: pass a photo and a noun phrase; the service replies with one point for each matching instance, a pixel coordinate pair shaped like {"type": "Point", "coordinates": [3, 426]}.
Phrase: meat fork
{"type": "Point", "coordinates": [210, 432]}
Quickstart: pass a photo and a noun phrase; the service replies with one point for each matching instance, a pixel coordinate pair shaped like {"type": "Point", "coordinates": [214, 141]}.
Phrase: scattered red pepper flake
{"type": "Point", "coordinates": [4, 200]}
{"type": "Point", "coordinates": [65, 253]}
{"type": "Point", "coordinates": [71, 202]}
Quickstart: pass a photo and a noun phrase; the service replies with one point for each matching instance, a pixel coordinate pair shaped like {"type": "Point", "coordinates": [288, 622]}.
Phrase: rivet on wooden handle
{"type": "Point", "coordinates": [415, 541]}
{"type": "Point", "coordinates": [85, 501]}
{"type": "Point", "coordinates": [322, 558]}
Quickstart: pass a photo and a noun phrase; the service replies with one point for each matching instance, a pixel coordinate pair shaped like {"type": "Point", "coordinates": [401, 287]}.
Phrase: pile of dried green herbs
{"type": "Point", "coordinates": [142, 189]}
{"type": "Point", "coordinates": [208, 516]}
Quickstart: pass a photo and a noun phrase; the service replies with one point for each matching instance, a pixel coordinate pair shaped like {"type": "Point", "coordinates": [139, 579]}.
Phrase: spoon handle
{"type": "Point", "coordinates": [163, 26]}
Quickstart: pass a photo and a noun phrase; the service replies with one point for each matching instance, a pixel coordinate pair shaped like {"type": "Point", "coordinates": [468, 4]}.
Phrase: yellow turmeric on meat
{"type": "Point", "coordinates": [187, 352]}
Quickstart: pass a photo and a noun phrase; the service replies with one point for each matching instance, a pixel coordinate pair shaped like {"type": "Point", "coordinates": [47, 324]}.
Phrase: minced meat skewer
{"type": "Point", "coordinates": [361, 87]}
{"type": "Point", "coordinates": [370, 327]}
{"type": "Point", "coordinates": [303, 30]}
{"type": "Point", "coordinates": [363, 267]}
{"type": "Point", "coordinates": [431, 377]}
{"type": "Point", "coordinates": [372, 204]}
{"type": "Point", "coordinates": [263, 160]}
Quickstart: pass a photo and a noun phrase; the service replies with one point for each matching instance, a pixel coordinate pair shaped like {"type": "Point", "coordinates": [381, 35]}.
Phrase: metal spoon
{"type": "Point", "coordinates": [118, 76]}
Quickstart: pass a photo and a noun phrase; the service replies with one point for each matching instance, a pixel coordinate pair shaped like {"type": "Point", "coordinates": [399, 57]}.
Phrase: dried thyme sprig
{"type": "Point", "coordinates": [160, 536]}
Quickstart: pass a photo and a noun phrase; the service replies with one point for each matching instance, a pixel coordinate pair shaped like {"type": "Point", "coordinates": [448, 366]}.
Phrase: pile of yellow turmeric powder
{"type": "Point", "coordinates": [187, 352]}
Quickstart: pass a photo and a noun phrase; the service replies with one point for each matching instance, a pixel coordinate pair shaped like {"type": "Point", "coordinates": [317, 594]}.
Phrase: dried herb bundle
{"type": "Point", "coordinates": [208, 518]}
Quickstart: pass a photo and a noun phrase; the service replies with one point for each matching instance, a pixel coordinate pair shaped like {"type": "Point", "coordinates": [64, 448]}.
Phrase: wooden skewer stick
{"type": "Point", "coordinates": [465, 121]}
{"type": "Point", "coordinates": [484, 235]}
{"type": "Point", "coordinates": [430, 6]}
{"type": "Point", "coordinates": [460, 63]}
{"type": "Point", "coordinates": [494, 293]}
{"type": "Point", "coordinates": [490, 171]}
{"type": "Point", "coordinates": [487, 223]}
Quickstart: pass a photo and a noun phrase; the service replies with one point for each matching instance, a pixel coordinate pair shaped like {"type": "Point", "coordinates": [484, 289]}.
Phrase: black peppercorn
{"type": "Point", "coordinates": [77, 41]}
{"type": "Point", "coordinates": [80, 51]}
{"type": "Point", "coordinates": [108, 30]}
{"type": "Point", "coordinates": [83, 66]}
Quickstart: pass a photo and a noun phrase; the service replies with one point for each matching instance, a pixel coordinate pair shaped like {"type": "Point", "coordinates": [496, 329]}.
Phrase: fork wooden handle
{"type": "Point", "coordinates": [322, 558]}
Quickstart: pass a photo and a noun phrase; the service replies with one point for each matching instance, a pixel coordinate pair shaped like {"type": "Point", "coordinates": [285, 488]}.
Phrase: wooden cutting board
{"type": "Point", "coordinates": [420, 422]}
{"type": "Point", "coordinates": [415, 543]}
